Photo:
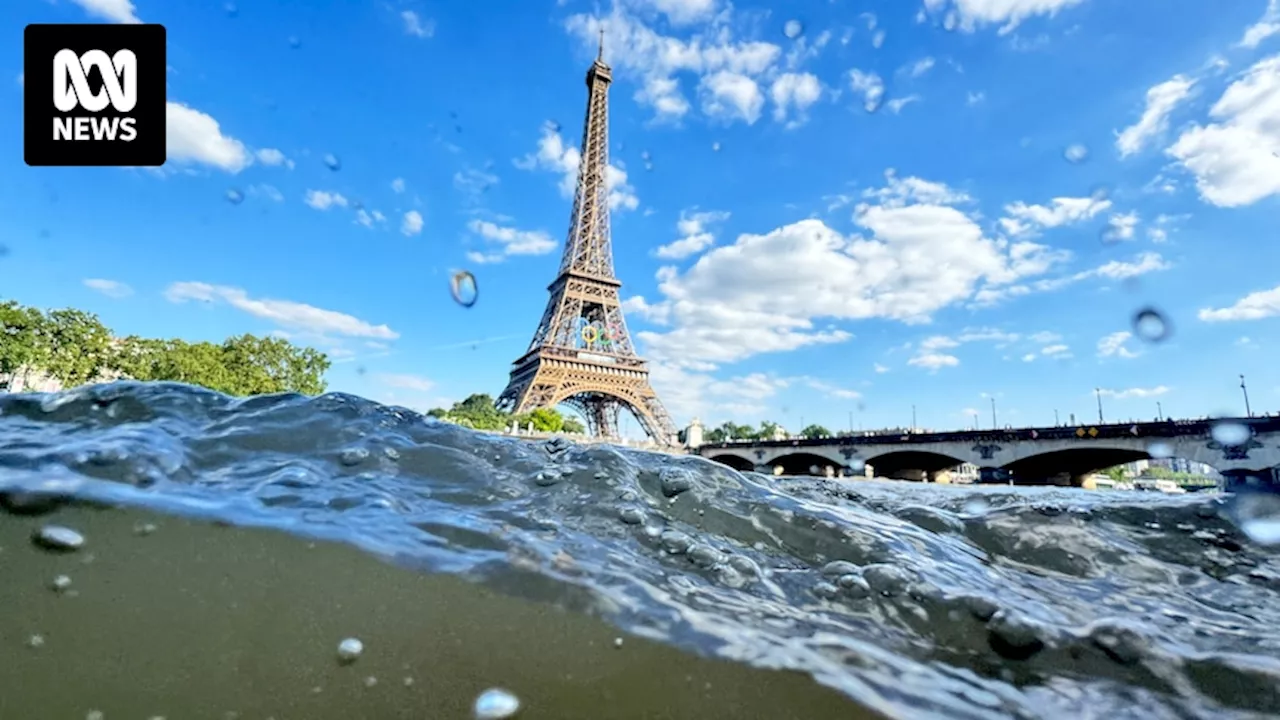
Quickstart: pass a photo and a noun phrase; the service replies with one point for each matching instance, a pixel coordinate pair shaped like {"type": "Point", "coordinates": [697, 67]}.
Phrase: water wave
{"type": "Point", "coordinates": [913, 600]}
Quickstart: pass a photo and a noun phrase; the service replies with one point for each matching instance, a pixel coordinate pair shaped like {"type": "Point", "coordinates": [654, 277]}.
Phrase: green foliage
{"type": "Point", "coordinates": [1115, 473]}
{"type": "Point", "coordinates": [731, 431]}
{"type": "Point", "coordinates": [478, 412]}
{"type": "Point", "coordinates": [74, 347]}
{"type": "Point", "coordinates": [814, 432]}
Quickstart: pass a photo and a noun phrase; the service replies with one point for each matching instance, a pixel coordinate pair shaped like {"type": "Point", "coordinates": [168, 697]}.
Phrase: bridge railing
{"type": "Point", "coordinates": [1154, 430]}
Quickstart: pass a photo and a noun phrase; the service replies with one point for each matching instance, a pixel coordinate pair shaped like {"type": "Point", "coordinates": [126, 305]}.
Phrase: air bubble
{"type": "Point", "coordinates": [60, 583]}
{"type": "Point", "coordinates": [332, 162]}
{"type": "Point", "coordinates": [1076, 153]}
{"type": "Point", "coordinates": [1150, 325]}
{"type": "Point", "coordinates": [715, 147]}
{"type": "Point", "coordinates": [294, 42]}
{"type": "Point", "coordinates": [1230, 434]}
{"type": "Point", "coordinates": [462, 285]}
{"type": "Point", "coordinates": [58, 538]}
{"type": "Point", "coordinates": [1160, 450]}
{"type": "Point", "coordinates": [349, 650]}
{"type": "Point", "coordinates": [234, 196]}
{"type": "Point", "coordinates": [495, 704]}
{"type": "Point", "coordinates": [793, 29]}
{"type": "Point", "coordinates": [648, 159]}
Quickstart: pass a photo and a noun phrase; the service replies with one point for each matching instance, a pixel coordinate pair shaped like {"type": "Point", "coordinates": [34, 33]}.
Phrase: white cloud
{"type": "Point", "coordinates": [1135, 393]}
{"type": "Point", "coordinates": [1121, 227]}
{"type": "Point", "coordinates": [1144, 263]}
{"type": "Point", "coordinates": [194, 137]}
{"type": "Point", "coordinates": [877, 39]}
{"type": "Point", "coordinates": [1235, 159]}
{"type": "Point", "coordinates": [272, 157]}
{"type": "Point", "coordinates": [474, 182]}
{"type": "Point", "coordinates": [397, 185]}
{"type": "Point", "coordinates": [1025, 220]}
{"type": "Point", "coordinates": [1268, 26]}
{"type": "Point", "coordinates": [1161, 102]}
{"type": "Point", "coordinates": [369, 218]}
{"type": "Point", "coordinates": [416, 383]}
{"type": "Point", "coordinates": [694, 236]}
{"type": "Point", "coordinates": [880, 369]}
{"type": "Point", "coordinates": [921, 66]}
{"type": "Point", "coordinates": [967, 15]}
{"type": "Point", "coordinates": [285, 313]}
{"type": "Point", "coordinates": [975, 97]}
{"type": "Point", "coordinates": [270, 192]}
{"type": "Point", "coordinates": [930, 356]}
{"type": "Point", "coordinates": [895, 105]}
{"type": "Point", "coordinates": [934, 361]}
{"type": "Point", "coordinates": [869, 86]}
{"type": "Point", "coordinates": [323, 199]}
{"type": "Point", "coordinates": [110, 288]}
{"type": "Point", "coordinates": [416, 26]}
{"type": "Point", "coordinates": [730, 95]}
{"type": "Point", "coordinates": [728, 71]}
{"type": "Point", "coordinates": [116, 11]}
{"type": "Point", "coordinates": [1116, 345]}
{"type": "Point", "coordinates": [411, 223]}
{"type": "Point", "coordinates": [919, 257]}
{"type": "Point", "coordinates": [555, 156]}
{"type": "Point", "coordinates": [796, 91]}
{"type": "Point", "coordinates": [1254, 306]}
{"type": "Point", "coordinates": [1059, 351]}
{"type": "Point", "coordinates": [510, 241]}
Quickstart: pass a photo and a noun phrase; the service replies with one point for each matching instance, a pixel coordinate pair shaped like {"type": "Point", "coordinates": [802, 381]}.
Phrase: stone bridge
{"type": "Point", "coordinates": [1244, 450]}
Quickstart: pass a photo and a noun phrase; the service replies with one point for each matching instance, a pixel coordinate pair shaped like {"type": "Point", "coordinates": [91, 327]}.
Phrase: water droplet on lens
{"type": "Point", "coordinates": [331, 161]}
{"type": "Point", "coordinates": [1231, 434]}
{"type": "Point", "coordinates": [1151, 326]}
{"type": "Point", "coordinates": [1258, 516]}
{"type": "Point", "coordinates": [462, 285]}
{"type": "Point", "coordinates": [235, 197]}
{"type": "Point", "coordinates": [1160, 450]}
{"type": "Point", "coordinates": [4, 251]}
{"type": "Point", "coordinates": [715, 147]}
{"type": "Point", "coordinates": [495, 704]}
{"type": "Point", "coordinates": [793, 29]}
{"type": "Point", "coordinates": [349, 650]}
{"type": "Point", "coordinates": [294, 42]}
{"type": "Point", "coordinates": [1076, 153]}
{"type": "Point", "coordinates": [1100, 193]}
{"type": "Point", "coordinates": [231, 9]}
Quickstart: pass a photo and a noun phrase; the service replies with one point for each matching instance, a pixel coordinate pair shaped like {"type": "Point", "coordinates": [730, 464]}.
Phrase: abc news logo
{"type": "Point", "coordinates": [107, 105]}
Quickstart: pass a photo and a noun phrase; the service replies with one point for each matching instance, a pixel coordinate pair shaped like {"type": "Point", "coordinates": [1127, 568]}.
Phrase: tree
{"type": "Point", "coordinates": [768, 430]}
{"type": "Point", "coordinates": [74, 347]}
{"type": "Point", "coordinates": [573, 426]}
{"type": "Point", "coordinates": [814, 432]}
{"type": "Point", "coordinates": [1115, 473]}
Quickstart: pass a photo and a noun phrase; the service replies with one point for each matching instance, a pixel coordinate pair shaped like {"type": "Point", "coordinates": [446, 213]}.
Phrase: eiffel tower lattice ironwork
{"type": "Point", "coordinates": [581, 354]}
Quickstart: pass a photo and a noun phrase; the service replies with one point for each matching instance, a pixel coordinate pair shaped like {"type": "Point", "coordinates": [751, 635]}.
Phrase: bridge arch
{"type": "Point", "coordinates": [910, 464]}
{"type": "Point", "coordinates": [737, 462]}
{"type": "Point", "coordinates": [805, 463]}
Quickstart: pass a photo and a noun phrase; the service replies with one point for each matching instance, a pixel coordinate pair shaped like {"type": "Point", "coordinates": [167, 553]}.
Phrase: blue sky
{"type": "Point", "coordinates": [822, 208]}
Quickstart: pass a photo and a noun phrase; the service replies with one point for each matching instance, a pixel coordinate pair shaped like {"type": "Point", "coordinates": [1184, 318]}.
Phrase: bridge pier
{"type": "Point", "coordinates": [1084, 481]}
{"type": "Point", "coordinates": [1238, 480]}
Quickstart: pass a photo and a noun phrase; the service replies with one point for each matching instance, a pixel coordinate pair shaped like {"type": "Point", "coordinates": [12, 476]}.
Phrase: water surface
{"type": "Point", "coordinates": [902, 599]}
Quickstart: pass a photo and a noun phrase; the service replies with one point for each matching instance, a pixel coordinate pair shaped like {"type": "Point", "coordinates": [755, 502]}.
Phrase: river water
{"type": "Point", "coordinates": [883, 598]}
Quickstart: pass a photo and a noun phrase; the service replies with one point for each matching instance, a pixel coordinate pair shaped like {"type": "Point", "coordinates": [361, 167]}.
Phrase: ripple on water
{"type": "Point", "coordinates": [923, 600]}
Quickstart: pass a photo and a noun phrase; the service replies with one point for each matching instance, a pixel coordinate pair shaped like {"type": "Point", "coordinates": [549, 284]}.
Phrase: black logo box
{"type": "Point", "coordinates": [41, 42]}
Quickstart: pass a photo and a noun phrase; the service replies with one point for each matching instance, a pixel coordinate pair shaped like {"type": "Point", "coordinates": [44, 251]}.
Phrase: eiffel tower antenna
{"type": "Point", "coordinates": [581, 354]}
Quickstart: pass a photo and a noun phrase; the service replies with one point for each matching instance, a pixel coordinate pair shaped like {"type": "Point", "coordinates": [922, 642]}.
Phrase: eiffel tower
{"type": "Point", "coordinates": [582, 355]}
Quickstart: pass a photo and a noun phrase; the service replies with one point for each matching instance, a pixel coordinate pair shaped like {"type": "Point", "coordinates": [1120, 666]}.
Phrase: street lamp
{"type": "Point", "coordinates": [1159, 411]}
{"type": "Point", "coordinates": [1098, 393]}
{"type": "Point", "coordinates": [1055, 417]}
{"type": "Point", "coordinates": [975, 419]}
{"type": "Point", "coordinates": [994, 424]}
{"type": "Point", "coordinates": [913, 418]}
{"type": "Point", "coordinates": [1247, 411]}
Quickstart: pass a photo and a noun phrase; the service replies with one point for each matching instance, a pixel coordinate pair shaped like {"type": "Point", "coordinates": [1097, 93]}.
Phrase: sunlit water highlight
{"type": "Point", "coordinates": [912, 600]}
